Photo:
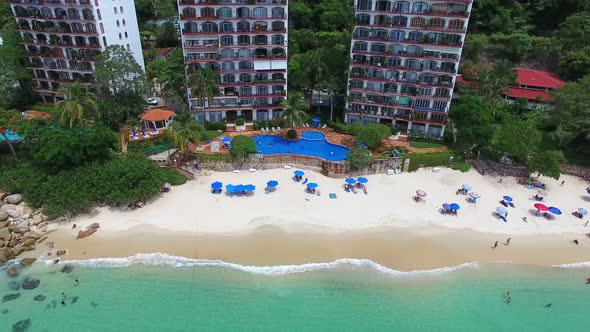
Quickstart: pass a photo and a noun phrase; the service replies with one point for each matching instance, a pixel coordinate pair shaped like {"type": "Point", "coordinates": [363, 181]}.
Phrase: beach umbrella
{"type": "Point", "coordinates": [249, 187]}
{"type": "Point", "coordinates": [312, 185]}
{"type": "Point", "coordinates": [239, 187]}
{"type": "Point", "coordinates": [362, 180]}
{"type": "Point", "coordinates": [466, 187]}
{"type": "Point", "coordinates": [299, 173]}
{"type": "Point", "coordinates": [350, 180]}
{"type": "Point", "coordinates": [226, 139]}
{"type": "Point", "coordinates": [420, 193]}
{"type": "Point", "coordinates": [272, 183]}
{"type": "Point", "coordinates": [541, 207]}
{"type": "Point", "coordinates": [474, 195]}
{"type": "Point", "coordinates": [230, 188]}
{"type": "Point", "coordinates": [316, 120]}
{"type": "Point", "coordinates": [583, 211]}
{"type": "Point", "coordinates": [501, 210]}
{"type": "Point", "coordinates": [588, 190]}
{"type": "Point", "coordinates": [554, 210]}
{"type": "Point", "coordinates": [446, 206]}
{"type": "Point", "coordinates": [455, 206]}
{"type": "Point", "coordinates": [542, 192]}
{"type": "Point", "coordinates": [216, 185]}
{"type": "Point", "coordinates": [507, 198]}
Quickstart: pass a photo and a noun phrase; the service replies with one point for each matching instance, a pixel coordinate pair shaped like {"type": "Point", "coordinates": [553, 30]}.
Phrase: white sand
{"type": "Point", "coordinates": [192, 207]}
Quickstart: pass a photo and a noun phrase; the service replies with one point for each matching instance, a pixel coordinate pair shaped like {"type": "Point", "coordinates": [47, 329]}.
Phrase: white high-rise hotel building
{"type": "Point", "coordinates": [404, 61]}
{"type": "Point", "coordinates": [63, 37]}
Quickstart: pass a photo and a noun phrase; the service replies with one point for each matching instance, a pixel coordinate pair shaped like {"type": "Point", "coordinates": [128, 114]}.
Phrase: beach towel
{"type": "Point", "coordinates": [333, 196]}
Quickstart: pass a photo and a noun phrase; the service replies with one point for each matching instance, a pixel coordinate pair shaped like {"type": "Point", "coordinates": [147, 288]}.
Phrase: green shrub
{"type": "Point", "coordinates": [202, 157]}
{"type": "Point", "coordinates": [215, 126]}
{"type": "Point", "coordinates": [370, 136]}
{"type": "Point", "coordinates": [430, 159]}
{"type": "Point", "coordinates": [173, 177]}
{"type": "Point", "coordinates": [242, 146]}
{"type": "Point", "coordinates": [462, 166]}
{"type": "Point", "coordinates": [395, 130]}
{"type": "Point", "coordinates": [292, 134]}
{"type": "Point", "coordinates": [240, 121]}
{"type": "Point", "coordinates": [340, 128]}
{"type": "Point", "coordinates": [358, 158]}
{"type": "Point", "coordinates": [383, 130]}
{"type": "Point", "coordinates": [41, 108]}
{"type": "Point", "coordinates": [354, 128]}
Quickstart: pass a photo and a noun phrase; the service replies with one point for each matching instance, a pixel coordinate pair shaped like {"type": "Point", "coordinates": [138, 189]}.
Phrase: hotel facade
{"type": "Point", "coordinates": [63, 37]}
{"type": "Point", "coordinates": [244, 42]}
{"type": "Point", "coordinates": [404, 61]}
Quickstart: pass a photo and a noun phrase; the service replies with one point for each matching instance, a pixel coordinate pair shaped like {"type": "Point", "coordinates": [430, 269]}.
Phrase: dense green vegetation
{"type": "Point", "coordinates": [242, 146]}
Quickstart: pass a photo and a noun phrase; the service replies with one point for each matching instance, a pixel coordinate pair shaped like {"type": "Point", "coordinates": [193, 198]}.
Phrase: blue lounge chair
{"type": "Point", "coordinates": [154, 131]}
{"type": "Point", "coordinates": [134, 135]}
{"type": "Point", "coordinates": [144, 135]}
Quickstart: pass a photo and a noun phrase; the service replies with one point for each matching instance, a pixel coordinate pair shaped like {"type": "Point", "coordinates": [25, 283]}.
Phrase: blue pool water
{"type": "Point", "coordinates": [312, 143]}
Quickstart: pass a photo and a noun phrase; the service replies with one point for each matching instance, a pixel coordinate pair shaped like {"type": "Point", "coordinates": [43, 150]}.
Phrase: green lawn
{"type": "Point", "coordinates": [211, 134]}
{"type": "Point", "coordinates": [425, 145]}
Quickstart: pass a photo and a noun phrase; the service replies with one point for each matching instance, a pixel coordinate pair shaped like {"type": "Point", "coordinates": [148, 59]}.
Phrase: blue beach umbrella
{"type": "Point", "coordinates": [226, 139]}
{"type": "Point", "coordinates": [455, 206]}
{"type": "Point", "coordinates": [312, 185]}
{"type": "Point", "coordinates": [316, 120]}
{"type": "Point", "coordinates": [216, 185]}
{"type": "Point", "coordinates": [362, 180]}
{"type": "Point", "coordinates": [583, 211]}
{"type": "Point", "coordinates": [467, 187]}
{"type": "Point", "coordinates": [272, 183]}
{"type": "Point", "coordinates": [507, 198]}
{"type": "Point", "coordinates": [230, 188]}
{"type": "Point", "coordinates": [299, 173]}
{"type": "Point", "coordinates": [249, 187]}
{"type": "Point", "coordinates": [588, 190]}
{"type": "Point", "coordinates": [446, 206]}
{"type": "Point", "coordinates": [350, 180]}
{"type": "Point", "coordinates": [501, 210]}
{"type": "Point", "coordinates": [554, 210]}
{"type": "Point", "coordinates": [239, 187]}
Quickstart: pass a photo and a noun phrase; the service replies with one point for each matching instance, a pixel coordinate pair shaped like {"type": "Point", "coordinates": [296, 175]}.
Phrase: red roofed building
{"type": "Point", "coordinates": [535, 86]}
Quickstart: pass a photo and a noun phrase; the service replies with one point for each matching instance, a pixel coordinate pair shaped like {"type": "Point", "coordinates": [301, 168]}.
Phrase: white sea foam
{"type": "Point", "coordinates": [160, 259]}
{"type": "Point", "coordinates": [574, 265]}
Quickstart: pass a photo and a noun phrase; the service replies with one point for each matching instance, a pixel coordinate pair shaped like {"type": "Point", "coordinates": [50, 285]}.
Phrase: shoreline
{"type": "Point", "coordinates": [290, 227]}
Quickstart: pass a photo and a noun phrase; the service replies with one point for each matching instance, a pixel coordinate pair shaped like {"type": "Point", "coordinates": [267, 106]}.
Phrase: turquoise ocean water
{"type": "Point", "coordinates": [173, 294]}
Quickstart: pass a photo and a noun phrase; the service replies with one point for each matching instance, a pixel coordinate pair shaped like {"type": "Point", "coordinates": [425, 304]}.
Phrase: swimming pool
{"type": "Point", "coordinates": [312, 143]}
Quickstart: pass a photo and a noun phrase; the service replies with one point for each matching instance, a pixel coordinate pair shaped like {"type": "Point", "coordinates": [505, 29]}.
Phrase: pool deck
{"type": "Point", "coordinates": [331, 136]}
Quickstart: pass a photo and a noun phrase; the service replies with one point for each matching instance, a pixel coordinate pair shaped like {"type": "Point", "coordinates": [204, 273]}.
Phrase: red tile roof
{"type": "Point", "coordinates": [165, 51]}
{"type": "Point", "coordinates": [529, 94]}
{"type": "Point", "coordinates": [32, 114]}
{"type": "Point", "coordinates": [157, 114]}
{"type": "Point", "coordinates": [543, 79]}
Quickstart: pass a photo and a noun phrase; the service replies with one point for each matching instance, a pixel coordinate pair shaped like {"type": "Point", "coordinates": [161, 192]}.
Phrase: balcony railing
{"type": "Point", "coordinates": [251, 31]}
{"type": "Point", "coordinates": [85, 3]}
{"type": "Point", "coordinates": [242, 3]}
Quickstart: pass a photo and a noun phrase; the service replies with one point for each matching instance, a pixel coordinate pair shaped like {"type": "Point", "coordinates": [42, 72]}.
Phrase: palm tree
{"type": "Point", "coordinates": [294, 109]}
{"type": "Point", "coordinates": [78, 103]}
{"type": "Point", "coordinates": [185, 129]}
{"type": "Point", "coordinates": [204, 85]}
{"type": "Point", "coordinates": [331, 87]}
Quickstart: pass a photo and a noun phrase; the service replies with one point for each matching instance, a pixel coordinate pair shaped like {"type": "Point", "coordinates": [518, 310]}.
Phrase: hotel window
{"type": "Point", "coordinates": [101, 28]}
{"type": "Point", "coordinates": [121, 9]}
{"type": "Point", "coordinates": [120, 36]}
{"type": "Point", "coordinates": [128, 47]}
{"type": "Point", "coordinates": [440, 105]}
{"type": "Point", "coordinates": [118, 24]}
{"type": "Point", "coordinates": [115, 10]}
{"type": "Point", "coordinates": [126, 36]}
{"type": "Point", "coordinates": [124, 24]}
{"type": "Point", "coordinates": [98, 14]}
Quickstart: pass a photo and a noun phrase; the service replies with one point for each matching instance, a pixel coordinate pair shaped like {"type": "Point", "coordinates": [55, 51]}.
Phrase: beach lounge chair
{"type": "Point", "coordinates": [324, 126]}
{"type": "Point", "coordinates": [273, 129]}
{"type": "Point", "coordinates": [305, 125]}
{"type": "Point", "coordinates": [134, 135]}
{"type": "Point", "coordinates": [278, 128]}
{"type": "Point", "coordinates": [305, 182]}
{"type": "Point", "coordinates": [352, 189]}
{"type": "Point", "coordinates": [266, 129]}
{"type": "Point", "coordinates": [144, 135]}
{"type": "Point", "coordinates": [154, 131]}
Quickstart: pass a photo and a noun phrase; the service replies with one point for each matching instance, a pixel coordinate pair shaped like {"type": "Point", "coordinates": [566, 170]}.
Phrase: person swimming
{"type": "Point", "coordinates": [548, 305]}
{"type": "Point", "coordinates": [508, 298]}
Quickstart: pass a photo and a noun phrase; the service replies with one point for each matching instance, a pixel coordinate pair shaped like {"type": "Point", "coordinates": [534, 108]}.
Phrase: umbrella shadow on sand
{"type": "Point", "coordinates": [585, 198]}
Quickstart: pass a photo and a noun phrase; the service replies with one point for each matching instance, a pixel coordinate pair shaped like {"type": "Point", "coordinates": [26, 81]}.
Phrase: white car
{"type": "Point", "coordinates": [152, 101]}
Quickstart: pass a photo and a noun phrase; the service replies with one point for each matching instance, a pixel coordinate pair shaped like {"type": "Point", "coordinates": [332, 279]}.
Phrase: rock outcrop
{"type": "Point", "coordinates": [14, 199]}
{"type": "Point", "coordinates": [27, 261]}
{"type": "Point", "coordinates": [10, 297]}
{"type": "Point", "coordinates": [86, 233]}
{"type": "Point", "coordinates": [30, 283]}
{"type": "Point", "coordinates": [3, 216]}
{"type": "Point", "coordinates": [22, 325]}
{"type": "Point", "coordinates": [39, 297]}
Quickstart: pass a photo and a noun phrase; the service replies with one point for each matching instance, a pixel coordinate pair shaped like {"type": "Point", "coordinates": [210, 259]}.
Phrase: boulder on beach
{"type": "Point", "coordinates": [28, 242]}
{"type": "Point", "coordinates": [32, 234]}
{"type": "Point", "coordinates": [41, 225]}
{"type": "Point", "coordinates": [37, 219]}
{"type": "Point", "coordinates": [5, 234]}
{"type": "Point", "coordinates": [3, 216]}
{"type": "Point", "coordinates": [14, 199]}
{"type": "Point", "coordinates": [94, 225]}
{"type": "Point", "coordinates": [20, 228]}
{"type": "Point", "coordinates": [86, 233]}
{"type": "Point", "coordinates": [4, 224]}
{"type": "Point", "coordinates": [31, 283]}
{"type": "Point", "coordinates": [10, 297]}
{"type": "Point", "coordinates": [22, 325]}
{"type": "Point", "coordinates": [60, 252]}
{"type": "Point", "coordinates": [24, 209]}
{"type": "Point", "coordinates": [27, 261]}
{"type": "Point", "coordinates": [7, 207]}
{"type": "Point", "coordinates": [1, 243]}
{"type": "Point", "coordinates": [13, 213]}
{"type": "Point", "coordinates": [67, 268]}
{"type": "Point", "coordinates": [39, 297]}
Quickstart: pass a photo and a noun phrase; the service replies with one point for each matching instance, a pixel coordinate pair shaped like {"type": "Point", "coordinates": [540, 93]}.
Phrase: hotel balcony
{"type": "Point", "coordinates": [226, 14]}
{"type": "Point", "coordinates": [82, 3]}
{"type": "Point", "coordinates": [234, 3]}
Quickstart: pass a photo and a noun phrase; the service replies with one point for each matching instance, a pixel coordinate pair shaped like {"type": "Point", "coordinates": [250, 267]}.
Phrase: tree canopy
{"type": "Point", "coordinates": [242, 146]}
{"type": "Point", "coordinates": [118, 72]}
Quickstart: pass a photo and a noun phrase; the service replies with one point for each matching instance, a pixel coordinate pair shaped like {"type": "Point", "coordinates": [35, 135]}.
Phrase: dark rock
{"type": "Point", "coordinates": [14, 199]}
{"type": "Point", "coordinates": [14, 285]}
{"type": "Point", "coordinates": [10, 297]}
{"type": "Point", "coordinates": [27, 261]}
{"type": "Point", "coordinates": [31, 283]}
{"type": "Point", "coordinates": [39, 297]}
{"type": "Point", "coordinates": [93, 226]}
{"type": "Point", "coordinates": [74, 299]}
{"type": "Point", "coordinates": [13, 271]}
{"type": "Point", "coordinates": [60, 252]}
{"type": "Point", "coordinates": [67, 268]}
{"type": "Point", "coordinates": [21, 325]}
{"type": "Point", "coordinates": [4, 311]}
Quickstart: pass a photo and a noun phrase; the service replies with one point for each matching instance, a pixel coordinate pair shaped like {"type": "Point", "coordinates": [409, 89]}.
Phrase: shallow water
{"type": "Point", "coordinates": [343, 296]}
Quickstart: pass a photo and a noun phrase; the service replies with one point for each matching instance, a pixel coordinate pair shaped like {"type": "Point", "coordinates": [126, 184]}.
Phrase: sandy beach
{"type": "Point", "coordinates": [387, 225]}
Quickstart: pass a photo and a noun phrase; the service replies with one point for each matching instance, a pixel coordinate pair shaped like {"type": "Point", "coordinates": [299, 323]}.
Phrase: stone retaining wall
{"type": "Point", "coordinates": [334, 169]}
{"type": "Point", "coordinates": [579, 171]}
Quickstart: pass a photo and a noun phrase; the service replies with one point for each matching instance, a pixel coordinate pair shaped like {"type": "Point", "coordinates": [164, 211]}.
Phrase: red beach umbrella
{"type": "Point", "coordinates": [541, 207]}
